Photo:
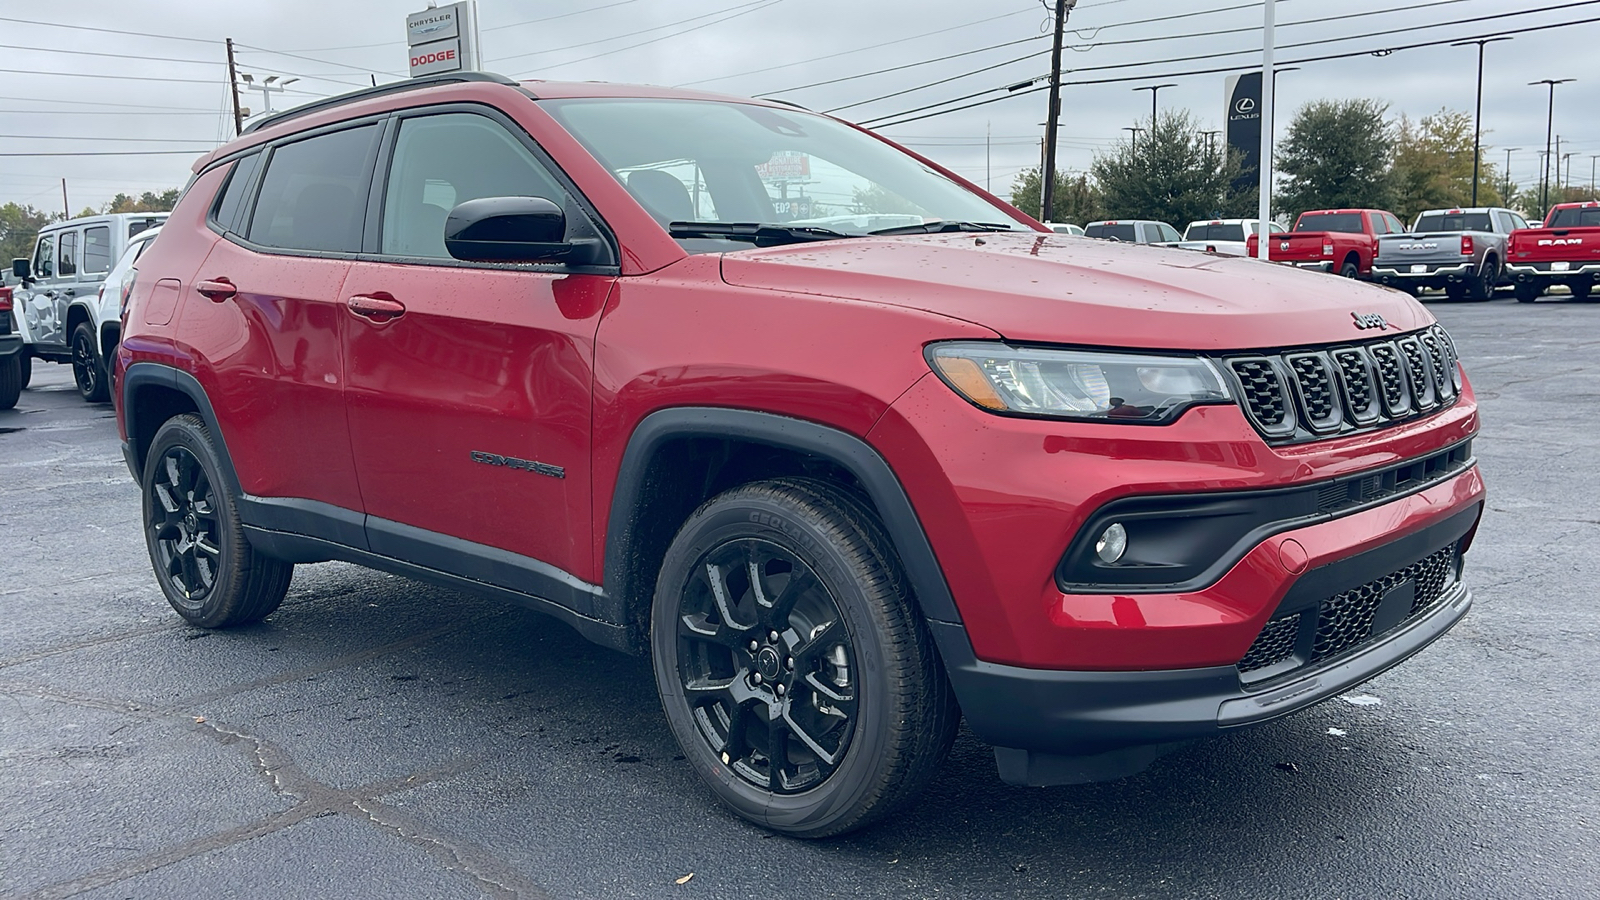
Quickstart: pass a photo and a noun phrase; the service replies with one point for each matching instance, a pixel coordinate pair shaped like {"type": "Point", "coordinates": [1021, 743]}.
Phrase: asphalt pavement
{"type": "Point", "coordinates": [378, 737]}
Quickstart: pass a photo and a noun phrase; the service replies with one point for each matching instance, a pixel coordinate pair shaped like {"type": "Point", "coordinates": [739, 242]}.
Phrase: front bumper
{"type": "Point", "coordinates": [1063, 727]}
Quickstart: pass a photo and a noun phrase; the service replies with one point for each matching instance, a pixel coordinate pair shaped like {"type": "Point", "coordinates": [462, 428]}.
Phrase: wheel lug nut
{"type": "Point", "coordinates": [789, 663]}
{"type": "Point", "coordinates": [780, 690]}
{"type": "Point", "coordinates": [772, 637]}
{"type": "Point", "coordinates": [756, 678]}
{"type": "Point", "coordinates": [754, 646]}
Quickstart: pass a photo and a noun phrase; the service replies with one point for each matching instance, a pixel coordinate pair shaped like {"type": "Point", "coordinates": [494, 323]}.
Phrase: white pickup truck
{"type": "Point", "coordinates": [58, 306]}
{"type": "Point", "coordinates": [1225, 236]}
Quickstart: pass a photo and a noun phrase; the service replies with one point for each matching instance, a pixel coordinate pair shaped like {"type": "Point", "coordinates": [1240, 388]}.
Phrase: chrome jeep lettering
{"type": "Point", "coordinates": [1365, 321]}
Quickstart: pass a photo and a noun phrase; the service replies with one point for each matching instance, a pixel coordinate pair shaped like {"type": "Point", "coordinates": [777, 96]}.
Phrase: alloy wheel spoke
{"type": "Point", "coordinates": [827, 758]}
{"type": "Point", "coordinates": [204, 544]}
{"type": "Point", "coordinates": [777, 755]}
{"type": "Point", "coordinates": [807, 647]}
{"type": "Point", "coordinates": [716, 576]}
{"type": "Point", "coordinates": [831, 691]}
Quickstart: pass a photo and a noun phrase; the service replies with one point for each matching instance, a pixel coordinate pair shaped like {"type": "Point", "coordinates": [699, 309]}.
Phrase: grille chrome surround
{"type": "Point", "coordinates": [1310, 393]}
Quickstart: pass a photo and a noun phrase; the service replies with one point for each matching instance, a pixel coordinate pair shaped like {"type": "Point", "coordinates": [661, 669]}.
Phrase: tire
{"type": "Point", "coordinates": [1455, 292]}
{"type": "Point", "coordinates": [1527, 292]}
{"type": "Point", "coordinates": [87, 369]}
{"type": "Point", "coordinates": [203, 562]}
{"type": "Point", "coordinates": [10, 380]}
{"type": "Point", "coordinates": [1481, 285]}
{"type": "Point", "coordinates": [853, 675]}
{"type": "Point", "coordinates": [1580, 290]}
{"type": "Point", "coordinates": [26, 362]}
{"type": "Point", "coordinates": [1350, 269]}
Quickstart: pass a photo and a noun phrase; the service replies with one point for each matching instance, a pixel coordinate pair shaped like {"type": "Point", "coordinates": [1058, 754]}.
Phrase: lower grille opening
{"type": "Point", "coordinates": [1348, 621]}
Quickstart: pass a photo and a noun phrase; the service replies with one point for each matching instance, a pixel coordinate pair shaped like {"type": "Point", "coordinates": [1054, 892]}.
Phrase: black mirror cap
{"type": "Point", "coordinates": [19, 269]}
{"type": "Point", "coordinates": [508, 229]}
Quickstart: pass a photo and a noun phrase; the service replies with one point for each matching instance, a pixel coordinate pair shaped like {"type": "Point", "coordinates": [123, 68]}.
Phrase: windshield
{"type": "Point", "coordinates": [1455, 222]}
{"type": "Point", "coordinates": [1348, 223]}
{"type": "Point", "coordinates": [1574, 217]}
{"type": "Point", "coordinates": [1215, 233]}
{"type": "Point", "coordinates": [720, 162]}
{"type": "Point", "coordinates": [1122, 232]}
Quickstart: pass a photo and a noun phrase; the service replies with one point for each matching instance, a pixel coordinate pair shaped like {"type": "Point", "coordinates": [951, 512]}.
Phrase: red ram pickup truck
{"type": "Point", "coordinates": [1333, 240]}
{"type": "Point", "coordinates": [1565, 250]}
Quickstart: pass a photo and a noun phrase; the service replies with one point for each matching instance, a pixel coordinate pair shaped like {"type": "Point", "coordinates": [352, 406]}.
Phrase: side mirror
{"type": "Point", "coordinates": [513, 229]}
{"type": "Point", "coordinates": [19, 269]}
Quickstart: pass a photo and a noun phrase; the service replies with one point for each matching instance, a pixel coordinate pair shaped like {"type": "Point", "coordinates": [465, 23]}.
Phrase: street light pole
{"type": "Point", "coordinates": [1592, 158]}
{"type": "Point", "coordinates": [1506, 198]}
{"type": "Point", "coordinates": [1063, 9]}
{"type": "Point", "coordinates": [1269, 78]}
{"type": "Point", "coordinates": [1134, 139]}
{"type": "Point", "coordinates": [1477, 118]}
{"type": "Point", "coordinates": [1154, 89]}
{"type": "Point", "coordinates": [1549, 132]}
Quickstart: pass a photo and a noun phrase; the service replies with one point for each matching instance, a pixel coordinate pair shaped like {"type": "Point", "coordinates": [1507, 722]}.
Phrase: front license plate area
{"type": "Point", "coordinates": [1394, 607]}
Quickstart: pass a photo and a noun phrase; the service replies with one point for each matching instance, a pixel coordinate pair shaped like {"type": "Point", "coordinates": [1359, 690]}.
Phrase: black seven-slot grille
{"type": "Point", "coordinates": [1314, 393]}
{"type": "Point", "coordinates": [1349, 620]}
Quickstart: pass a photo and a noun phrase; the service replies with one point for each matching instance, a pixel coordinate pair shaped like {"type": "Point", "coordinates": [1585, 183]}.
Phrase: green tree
{"type": "Point", "coordinates": [1076, 199]}
{"type": "Point", "coordinates": [149, 201]}
{"type": "Point", "coordinates": [1169, 173]}
{"type": "Point", "coordinates": [1337, 156]}
{"type": "Point", "coordinates": [1432, 166]}
{"type": "Point", "coordinates": [879, 199]}
{"type": "Point", "coordinates": [19, 225]}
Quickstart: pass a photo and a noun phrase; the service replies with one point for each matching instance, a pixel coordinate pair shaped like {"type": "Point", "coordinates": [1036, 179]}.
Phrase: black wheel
{"type": "Point", "coordinates": [1580, 290]}
{"type": "Point", "coordinates": [1527, 292]}
{"type": "Point", "coordinates": [791, 664]}
{"type": "Point", "coordinates": [86, 367]}
{"type": "Point", "coordinates": [208, 570]}
{"type": "Point", "coordinates": [1481, 285]}
{"type": "Point", "coordinates": [1350, 270]}
{"type": "Point", "coordinates": [26, 362]}
{"type": "Point", "coordinates": [10, 380]}
{"type": "Point", "coordinates": [1455, 292]}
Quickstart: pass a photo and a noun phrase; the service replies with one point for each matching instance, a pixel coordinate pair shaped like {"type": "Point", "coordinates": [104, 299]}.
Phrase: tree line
{"type": "Point", "coordinates": [1338, 154]}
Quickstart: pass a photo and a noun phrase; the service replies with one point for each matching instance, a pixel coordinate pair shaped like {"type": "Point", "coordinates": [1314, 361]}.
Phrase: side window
{"type": "Point", "coordinates": [225, 211]}
{"type": "Point", "coordinates": [1394, 224]}
{"type": "Point", "coordinates": [97, 250]}
{"type": "Point", "coordinates": [1168, 233]}
{"type": "Point", "coordinates": [1379, 226]}
{"type": "Point", "coordinates": [313, 196]}
{"type": "Point", "coordinates": [447, 159]}
{"type": "Point", "coordinates": [44, 258]}
{"type": "Point", "coordinates": [67, 259]}
{"type": "Point", "coordinates": [1517, 221]}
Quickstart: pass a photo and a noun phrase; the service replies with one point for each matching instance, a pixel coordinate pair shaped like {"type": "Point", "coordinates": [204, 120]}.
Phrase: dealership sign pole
{"type": "Point", "coordinates": [1264, 207]}
{"type": "Point", "coordinates": [443, 39]}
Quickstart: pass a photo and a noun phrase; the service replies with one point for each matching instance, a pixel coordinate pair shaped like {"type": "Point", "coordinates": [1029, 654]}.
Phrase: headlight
{"type": "Point", "coordinates": [1077, 384]}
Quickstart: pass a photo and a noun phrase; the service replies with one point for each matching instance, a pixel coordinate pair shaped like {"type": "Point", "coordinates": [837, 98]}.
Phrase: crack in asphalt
{"type": "Point", "coordinates": [312, 798]}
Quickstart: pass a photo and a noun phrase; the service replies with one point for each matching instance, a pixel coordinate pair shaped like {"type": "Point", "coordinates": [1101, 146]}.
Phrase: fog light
{"type": "Point", "coordinates": [1112, 544]}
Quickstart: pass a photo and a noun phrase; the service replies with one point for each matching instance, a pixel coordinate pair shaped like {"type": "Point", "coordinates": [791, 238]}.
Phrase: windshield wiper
{"type": "Point", "coordinates": [940, 226]}
{"type": "Point", "coordinates": [762, 235]}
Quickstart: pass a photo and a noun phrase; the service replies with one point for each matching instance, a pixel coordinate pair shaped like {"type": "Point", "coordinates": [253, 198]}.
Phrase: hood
{"type": "Point", "coordinates": [1061, 289]}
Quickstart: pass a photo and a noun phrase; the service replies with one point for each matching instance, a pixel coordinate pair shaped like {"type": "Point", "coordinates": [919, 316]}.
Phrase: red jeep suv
{"type": "Point", "coordinates": [850, 448]}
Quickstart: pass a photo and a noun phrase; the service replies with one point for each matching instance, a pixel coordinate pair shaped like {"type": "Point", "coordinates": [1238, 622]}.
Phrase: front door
{"type": "Point", "coordinates": [469, 384]}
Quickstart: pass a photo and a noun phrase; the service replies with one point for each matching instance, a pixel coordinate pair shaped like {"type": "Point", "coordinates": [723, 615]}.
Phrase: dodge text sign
{"type": "Point", "coordinates": [442, 39]}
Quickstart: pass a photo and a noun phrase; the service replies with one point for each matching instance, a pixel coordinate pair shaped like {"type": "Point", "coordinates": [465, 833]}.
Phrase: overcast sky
{"type": "Point", "coordinates": [757, 46]}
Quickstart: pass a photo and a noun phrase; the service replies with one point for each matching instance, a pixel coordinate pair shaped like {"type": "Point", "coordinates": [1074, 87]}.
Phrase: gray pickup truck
{"type": "Point", "coordinates": [1462, 251]}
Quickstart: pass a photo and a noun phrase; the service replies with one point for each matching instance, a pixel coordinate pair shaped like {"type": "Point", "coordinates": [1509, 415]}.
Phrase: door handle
{"type": "Point", "coordinates": [70, 292]}
{"type": "Point", "coordinates": [217, 289]}
{"type": "Point", "coordinates": [379, 307]}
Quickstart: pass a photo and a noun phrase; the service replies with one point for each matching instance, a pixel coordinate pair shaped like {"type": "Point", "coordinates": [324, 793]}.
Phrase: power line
{"type": "Point", "coordinates": [169, 37]}
{"type": "Point", "coordinates": [362, 69]}
{"type": "Point", "coordinates": [101, 112]}
{"type": "Point", "coordinates": [912, 65]}
{"type": "Point", "coordinates": [111, 77]}
{"type": "Point", "coordinates": [617, 37]}
{"type": "Point", "coordinates": [1382, 51]}
{"type": "Point", "coordinates": [96, 103]}
{"type": "Point", "coordinates": [112, 153]}
{"type": "Point", "coordinates": [802, 62]}
{"type": "Point", "coordinates": [1205, 56]}
{"type": "Point", "coordinates": [559, 16]}
{"type": "Point", "coordinates": [68, 137]}
{"type": "Point", "coordinates": [139, 56]}
{"type": "Point", "coordinates": [763, 4]}
{"type": "Point", "coordinates": [921, 87]}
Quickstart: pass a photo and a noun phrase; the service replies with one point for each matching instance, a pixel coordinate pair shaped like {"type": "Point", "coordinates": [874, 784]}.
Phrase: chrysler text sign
{"type": "Point", "coordinates": [442, 39]}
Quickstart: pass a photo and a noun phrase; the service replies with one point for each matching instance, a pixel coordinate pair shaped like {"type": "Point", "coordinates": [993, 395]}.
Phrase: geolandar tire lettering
{"type": "Point", "coordinates": [793, 668]}
{"type": "Point", "coordinates": [203, 562]}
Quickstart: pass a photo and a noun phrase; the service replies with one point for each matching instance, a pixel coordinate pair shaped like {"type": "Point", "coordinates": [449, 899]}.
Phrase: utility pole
{"type": "Point", "coordinates": [1269, 83]}
{"type": "Point", "coordinates": [1592, 158]}
{"type": "Point", "coordinates": [1154, 89]}
{"type": "Point", "coordinates": [1477, 118]}
{"type": "Point", "coordinates": [233, 86]}
{"type": "Point", "coordinates": [1506, 197]}
{"type": "Point", "coordinates": [1549, 130]}
{"type": "Point", "coordinates": [988, 136]}
{"type": "Point", "coordinates": [1211, 141]}
{"type": "Point", "coordinates": [1568, 157]}
{"type": "Point", "coordinates": [64, 204]}
{"type": "Point", "coordinates": [1063, 9]}
{"type": "Point", "coordinates": [1134, 139]}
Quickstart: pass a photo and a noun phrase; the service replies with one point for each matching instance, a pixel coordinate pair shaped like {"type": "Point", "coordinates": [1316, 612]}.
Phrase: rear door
{"type": "Point", "coordinates": [469, 405]}
{"type": "Point", "coordinates": [266, 322]}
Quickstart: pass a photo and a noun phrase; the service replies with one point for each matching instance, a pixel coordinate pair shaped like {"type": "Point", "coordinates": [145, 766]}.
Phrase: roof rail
{"type": "Point", "coordinates": [393, 87]}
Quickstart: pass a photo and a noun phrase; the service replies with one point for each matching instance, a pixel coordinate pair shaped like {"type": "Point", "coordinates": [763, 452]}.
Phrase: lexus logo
{"type": "Point", "coordinates": [1245, 105]}
{"type": "Point", "coordinates": [1365, 321]}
